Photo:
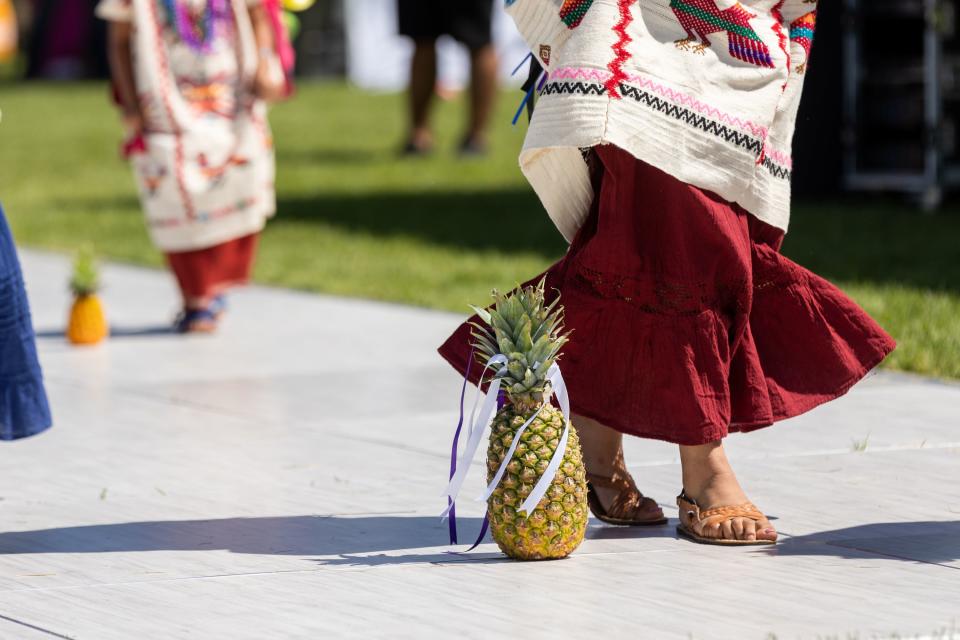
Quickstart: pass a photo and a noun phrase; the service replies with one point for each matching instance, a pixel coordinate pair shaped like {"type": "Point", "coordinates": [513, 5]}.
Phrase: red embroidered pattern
{"type": "Point", "coordinates": [781, 36]}
{"type": "Point", "coordinates": [702, 18]}
{"type": "Point", "coordinates": [215, 214]}
{"type": "Point", "coordinates": [178, 148]}
{"type": "Point", "coordinates": [621, 55]}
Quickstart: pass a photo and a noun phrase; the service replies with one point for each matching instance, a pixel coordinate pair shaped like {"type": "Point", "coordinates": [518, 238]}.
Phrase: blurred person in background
{"type": "Point", "coordinates": [191, 78]}
{"type": "Point", "coordinates": [24, 410]}
{"type": "Point", "coordinates": [64, 41]}
{"type": "Point", "coordinates": [470, 22]}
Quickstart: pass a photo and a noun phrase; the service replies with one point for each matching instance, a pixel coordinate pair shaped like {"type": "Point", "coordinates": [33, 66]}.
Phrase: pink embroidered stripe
{"type": "Point", "coordinates": [781, 158]}
{"type": "Point", "coordinates": [602, 77]}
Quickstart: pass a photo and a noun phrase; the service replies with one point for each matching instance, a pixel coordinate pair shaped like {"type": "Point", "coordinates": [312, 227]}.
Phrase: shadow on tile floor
{"type": "Point", "coordinates": [929, 542]}
{"type": "Point", "coordinates": [353, 540]}
{"type": "Point", "coordinates": [337, 540]}
{"type": "Point", "coordinates": [115, 332]}
{"type": "Point", "coordinates": [309, 536]}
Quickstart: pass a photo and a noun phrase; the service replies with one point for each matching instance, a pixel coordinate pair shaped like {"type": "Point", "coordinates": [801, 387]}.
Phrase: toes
{"type": "Point", "coordinates": [727, 530]}
{"type": "Point", "coordinates": [749, 530]}
{"type": "Point", "coordinates": [738, 528]}
{"type": "Point", "coordinates": [765, 531]}
{"type": "Point", "coordinates": [650, 509]}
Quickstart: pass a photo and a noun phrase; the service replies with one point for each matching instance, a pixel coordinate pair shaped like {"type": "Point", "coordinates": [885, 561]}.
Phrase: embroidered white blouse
{"type": "Point", "coordinates": [206, 174]}
{"type": "Point", "coordinates": [705, 90]}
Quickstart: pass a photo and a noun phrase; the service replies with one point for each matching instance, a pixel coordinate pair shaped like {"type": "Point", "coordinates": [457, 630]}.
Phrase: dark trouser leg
{"type": "Point", "coordinates": [423, 81]}
{"type": "Point", "coordinates": [483, 93]}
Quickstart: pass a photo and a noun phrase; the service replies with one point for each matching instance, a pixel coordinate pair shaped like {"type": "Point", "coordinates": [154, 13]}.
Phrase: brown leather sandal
{"type": "Point", "coordinates": [625, 506]}
{"type": "Point", "coordinates": [692, 519]}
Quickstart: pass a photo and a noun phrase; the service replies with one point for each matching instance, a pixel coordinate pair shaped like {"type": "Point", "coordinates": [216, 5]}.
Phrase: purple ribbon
{"type": "Point", "coordinates": [453, 452]}
{"type": "Point", "coordinates": [501, 400]}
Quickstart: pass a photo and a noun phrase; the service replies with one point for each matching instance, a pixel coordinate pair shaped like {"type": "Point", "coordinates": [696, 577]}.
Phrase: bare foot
{"type": "Point", "coordinates": [603, 456]}
{"type": "Point", "coordinates": [709, 479]}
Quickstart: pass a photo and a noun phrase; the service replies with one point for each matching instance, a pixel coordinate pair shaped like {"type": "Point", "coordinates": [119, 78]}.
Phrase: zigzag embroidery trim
{"type": "Point", "coordinates": [601, 77]}
{"type": "Point", "coordinates": [580, 88]}
{"type": "Point", "coordinates": [699, 121]}
{"type": "Point", "coordinates": [779, 157]}
{"type": "Point", "coordinates": [776, 170]}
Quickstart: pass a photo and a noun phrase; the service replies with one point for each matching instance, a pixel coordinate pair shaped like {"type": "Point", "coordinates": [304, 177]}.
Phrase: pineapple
{"type": "Point", "coordinates": [529, 333]}
{"type": "Point", "coordinates": [87, 322]}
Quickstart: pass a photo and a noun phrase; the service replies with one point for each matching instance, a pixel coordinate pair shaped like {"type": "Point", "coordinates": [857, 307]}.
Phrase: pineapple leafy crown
{"type": "Point", "coordinates": [529, 332]}
{"type": "Point", "coordinates": [86, 275]}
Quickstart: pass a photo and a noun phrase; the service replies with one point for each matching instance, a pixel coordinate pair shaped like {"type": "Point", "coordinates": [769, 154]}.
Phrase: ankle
{"type": "Point", "coordinates": [601, 446]}
{"type": "Point", "coordinates": [603, 468]}
{"type": "Point", "coordinates": [707, 474]}
{"type": "Point", "coordinates": [699, 484]}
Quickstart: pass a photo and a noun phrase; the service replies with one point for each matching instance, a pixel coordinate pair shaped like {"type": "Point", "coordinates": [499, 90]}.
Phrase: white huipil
{"type": "Point", "coordinates": [705, 90]}
{"type": "Point", "coordinates": [207, 174]}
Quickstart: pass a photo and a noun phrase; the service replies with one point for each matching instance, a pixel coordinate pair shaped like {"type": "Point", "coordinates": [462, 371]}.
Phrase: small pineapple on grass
{"type": "Point", "coordinates": [529, 332]}
{"type": "Point", "coordinates": [87, 322]}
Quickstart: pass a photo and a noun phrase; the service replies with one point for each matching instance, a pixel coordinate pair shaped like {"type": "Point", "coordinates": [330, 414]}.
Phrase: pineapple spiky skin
{"type": "Point", "coordinates": [529, 333]}
{"type": "Point", "coordinates": [558, 524]}
{"type": "Point", "coordinates": [88, 323]}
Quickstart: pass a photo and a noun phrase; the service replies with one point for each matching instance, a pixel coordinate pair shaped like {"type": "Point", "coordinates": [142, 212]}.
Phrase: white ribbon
{"type": "Point", "coordinates": [559, 387]}
{"type": "Point", "coordinates": [477, 427]}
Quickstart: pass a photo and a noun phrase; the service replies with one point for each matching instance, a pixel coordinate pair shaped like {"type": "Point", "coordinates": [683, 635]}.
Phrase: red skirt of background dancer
{"type": "Point", "coordinates": [687, 322]}
{"type": "Point", "coordinates": [205, 273]}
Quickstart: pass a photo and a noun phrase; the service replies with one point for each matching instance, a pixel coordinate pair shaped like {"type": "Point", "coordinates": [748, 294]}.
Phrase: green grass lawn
{"type": "Point", "coordinates": [439, 232]}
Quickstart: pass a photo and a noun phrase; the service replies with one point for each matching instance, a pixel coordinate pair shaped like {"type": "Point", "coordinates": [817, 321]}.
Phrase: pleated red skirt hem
{"type": "Point", "coordinates": [687, 322]}
{"type": "Point", "coordinates": [205, 273]}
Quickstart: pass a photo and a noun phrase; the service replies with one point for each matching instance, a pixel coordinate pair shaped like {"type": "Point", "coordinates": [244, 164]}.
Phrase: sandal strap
{"type": "Point", "coordinates": [617, 482]}
{"type": "Point", "coordinates": [188, 317]}
{"type": "Point", "coordinates": [692, 516]}
{"type": "Point", "coordinates": [629, 499]}
{"type": "Point", "coordinates": [745, 510]}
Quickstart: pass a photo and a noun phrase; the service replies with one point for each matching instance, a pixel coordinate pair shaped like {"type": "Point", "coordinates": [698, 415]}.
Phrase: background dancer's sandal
{"type": "Point", "coordinates": [195, 321]}
{"type": "Point", "coordinates": [218, 306]}
{"type": "Point", "coordinates": [692, 518]}
{"type": "Point", "coordinates": [626, 506]}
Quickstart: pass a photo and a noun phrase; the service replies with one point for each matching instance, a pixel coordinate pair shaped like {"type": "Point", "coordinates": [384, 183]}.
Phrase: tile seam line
{"type": "Point", "coordinates": [159, 398]}
{"type": "Point", "coordinates": [836, 543]}
{"type": "Point", "coordinates": [364, 569]}
{"type": "Point", "coordinates": [43, 630]}
{"type": "Point", "coordinates": [821, 452]}
{"type": "Point", "coordinates": [154, 397]}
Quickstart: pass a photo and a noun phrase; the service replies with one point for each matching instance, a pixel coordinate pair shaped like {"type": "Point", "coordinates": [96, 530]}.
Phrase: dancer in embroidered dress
{"type": "Point", "coordinates": [470, 23]}
{"type": "Point", "coordinates": [660, 147]}
{"type": "Point", "coordinates": [192, 78]}
{"type": "Point", "coordinates": [24, 410]}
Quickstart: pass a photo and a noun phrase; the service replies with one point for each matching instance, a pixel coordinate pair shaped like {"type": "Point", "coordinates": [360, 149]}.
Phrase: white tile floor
{"type": "Point", "coordinates": [282, 480]}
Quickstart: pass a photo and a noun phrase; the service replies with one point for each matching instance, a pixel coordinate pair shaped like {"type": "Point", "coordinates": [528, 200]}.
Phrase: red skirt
{"type": "Point", "coordinates": [687, 323]}
{"type": "Point", "coordinates": [205, 273]}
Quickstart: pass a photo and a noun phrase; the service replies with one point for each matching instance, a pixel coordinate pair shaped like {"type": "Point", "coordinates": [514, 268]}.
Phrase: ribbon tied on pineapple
{"type": "Point", "coordinates": [478, 425]}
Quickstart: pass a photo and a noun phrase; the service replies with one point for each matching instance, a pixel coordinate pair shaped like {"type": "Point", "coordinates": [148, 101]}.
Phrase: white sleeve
{"type": "Point", "coordinates": [541, 25]}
